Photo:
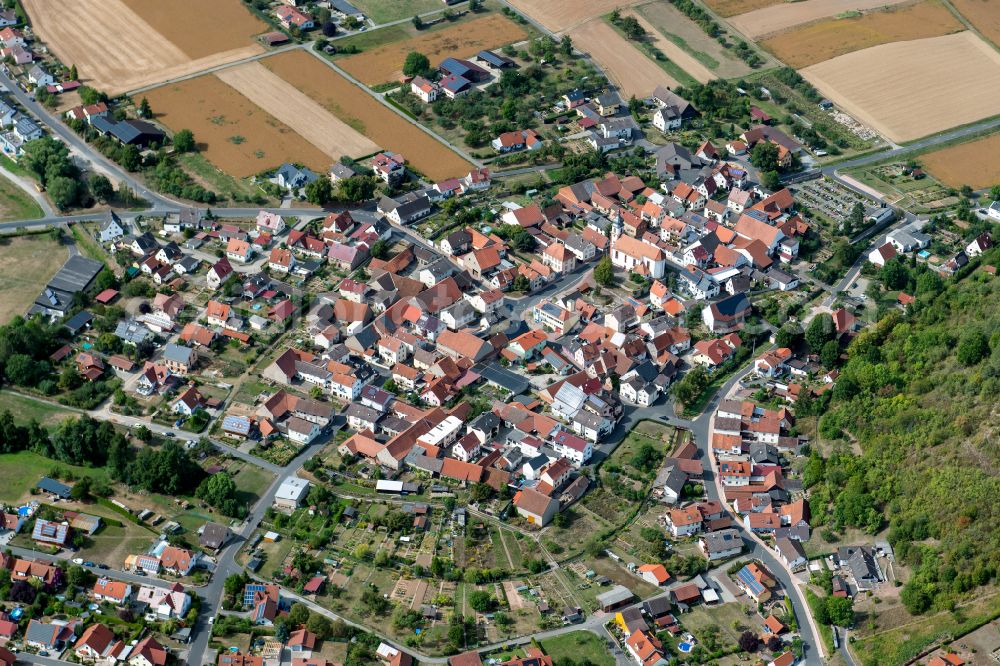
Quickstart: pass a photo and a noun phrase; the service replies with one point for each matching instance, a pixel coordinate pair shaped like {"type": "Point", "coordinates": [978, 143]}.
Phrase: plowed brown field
{"type": "Point", "coordinates": [734, 7]}
{"type": "Point", "coordinates": [984, 15]}
{"type": "Point", "coordinates": [117, 49]}
{"type": "Point", "coordinates": [906, 90]}
{"type": "Point", "coordinates": [365, 114]}
{"type": "Point", "coordinates": [385, 63]}
{"type": "Point", "coordinates": [816, 42]}
{"type": "Point", "coordinates": [290, 106]}
{"type": "Point", "coordinates": [200, 28]}
{"type": "Point", "coordinates": [236, 135]}
{"type": "Point", "coordinates": [976, 163]}
{"type": "Point", "coordinates": [776, 18]}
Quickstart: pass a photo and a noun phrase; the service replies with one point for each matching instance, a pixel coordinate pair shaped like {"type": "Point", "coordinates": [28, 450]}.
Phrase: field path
{"type": "Point", "coordinates": [291, 106]}
{"type": "Point", "coordinates": [627, 67]}
{"type": "Point", "coordinates": [684, 60]}
{"type": "Point", "coordinates": [773, 19]}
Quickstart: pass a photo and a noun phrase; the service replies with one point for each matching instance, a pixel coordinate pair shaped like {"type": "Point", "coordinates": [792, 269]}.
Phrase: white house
{"type": "Point", "coordinates": [111, 229]}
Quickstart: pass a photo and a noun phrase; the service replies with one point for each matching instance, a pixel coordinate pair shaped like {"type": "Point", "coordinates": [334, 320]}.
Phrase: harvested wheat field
{"type": "Point", "coordinates": [235, 134]}
{"type": "Point", "coordinates": [117, 49]}
{"type": "Point", "coordinates": [906, 90]}
{"type": "Point", "coordinates": [560, 15]}
{"type": "Point", "coordinates": [976, 163]}
{"type": "Point", "coordinates": [776, 18]}
{"type": "Point", "coordinates": [290, 106]}
{"type": "Point", "coordinates": [984, 15]}
{"type": "Point", "coordinates": [816, 42]}
{"type": "Point", "coordinates": [200, 28]}
{"type": "Point", "coordinates": [626, 66]}
{"type": "Point", "coordinates": [682, 58]}
{"type": "Point", "coordinates": [385, 63]}
{"type": "Point", "coordinates": [728, 8]}
{"type": "Point", "coordinates": [366, 115]}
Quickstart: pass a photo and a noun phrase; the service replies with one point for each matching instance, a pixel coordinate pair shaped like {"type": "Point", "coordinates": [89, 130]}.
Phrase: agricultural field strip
{"type": "Point", "coordinates": [292, 107]}
{"type": "Point", "coordinates": [563, 15]}
{"type": "Point", "coordinates": [883, 86]}
{"type": "Point", "coordinates": [826, 39]}
{"type": "Point", "coordinates": [239, 137]}
{"type": "Point", "coordinates": [133, 54]}
{"type": "Point", "coordinates": [776, 18]}
{"type": "Point", "coordinates": [628, 67]}
{"type": "Point", "coordinates": [385, 63]}
{"type": "Point", "coordinates": [360, 110]}
{"type": "Point", "coordinates": [974, 163]}
{"type": "Point", "coordinates": [682, 58]}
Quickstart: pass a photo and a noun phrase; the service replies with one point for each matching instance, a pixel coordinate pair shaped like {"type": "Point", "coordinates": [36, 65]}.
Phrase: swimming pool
{"type": "Point", "coordinates": [685, 647]}
{"type": "Point", "coordinates": [87, 345]}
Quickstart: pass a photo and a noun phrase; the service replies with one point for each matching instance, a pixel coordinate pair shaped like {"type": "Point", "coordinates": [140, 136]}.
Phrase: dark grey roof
{"type": "Point", "coordinates": [722, 540]}
{"type": "Point", "coordinates": [54, 487]}
{"type": "Point", "coordinates": [77, 274]}
{"type": "Point", "coordinates": [504, 378]}
{"type": "Point", "coordinates": [77, 322]}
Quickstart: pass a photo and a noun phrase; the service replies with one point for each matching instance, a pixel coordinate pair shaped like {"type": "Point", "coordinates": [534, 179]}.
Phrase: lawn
{"type": "Point", "coordinates": [384, 11]}
{"type": "Point", "coordinates": [87, 245]}
{"type": "Point", "coordinates": [219, 181]}
{"type": "Point", "coordinates": [15, 203]}
{"type": "Point", "coordinates": [19, 472]}
{"type": "Point", "coordinates": [29, 263]}
{"type": "Point", "coordinates": [25, 409]}
{"type": "Point", "coordinates": [577, 644]}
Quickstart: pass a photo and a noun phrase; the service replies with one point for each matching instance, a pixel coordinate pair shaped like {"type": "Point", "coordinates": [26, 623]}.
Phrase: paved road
{"type": "Point", "coordinates": [72, 139]}
{"type": "Point", "coordinates": [702, 429]}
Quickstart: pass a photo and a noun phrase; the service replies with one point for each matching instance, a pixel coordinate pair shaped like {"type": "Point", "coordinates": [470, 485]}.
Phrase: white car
{"type": "Point", "coordinates": [77, 560]}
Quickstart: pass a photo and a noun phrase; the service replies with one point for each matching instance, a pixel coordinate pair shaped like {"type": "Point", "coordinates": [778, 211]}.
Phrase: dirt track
{"type": "Point", "coordinates": [682, 58]}
{"type": "Point", "coordinates": [286, 103]}
{"type": "Point", "coordinates": [627, 67]}
{"type": "Point", "coordinates": [774, 19]}
{"type": "Point", "coordinates": [906, 90]}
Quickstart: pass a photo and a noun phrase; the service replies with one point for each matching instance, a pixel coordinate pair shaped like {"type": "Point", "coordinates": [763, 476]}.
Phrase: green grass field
{"type": "Point", "coordinates": [87, 245]}
{"type": "Point", "coordinates": [384, 11]}
{"type": "Point", "coordinates": [578, 644]}
{"type": "Point", "coordinates": [220, 182]}
{"type": "Point", "coordinates": [15, 203]}
{"type": "Point", "coordinates": [25, 409]}
{"type": "Point", "coordinates": [29, 263]}
{"type": "Point", "coordinates": [19, 472]}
